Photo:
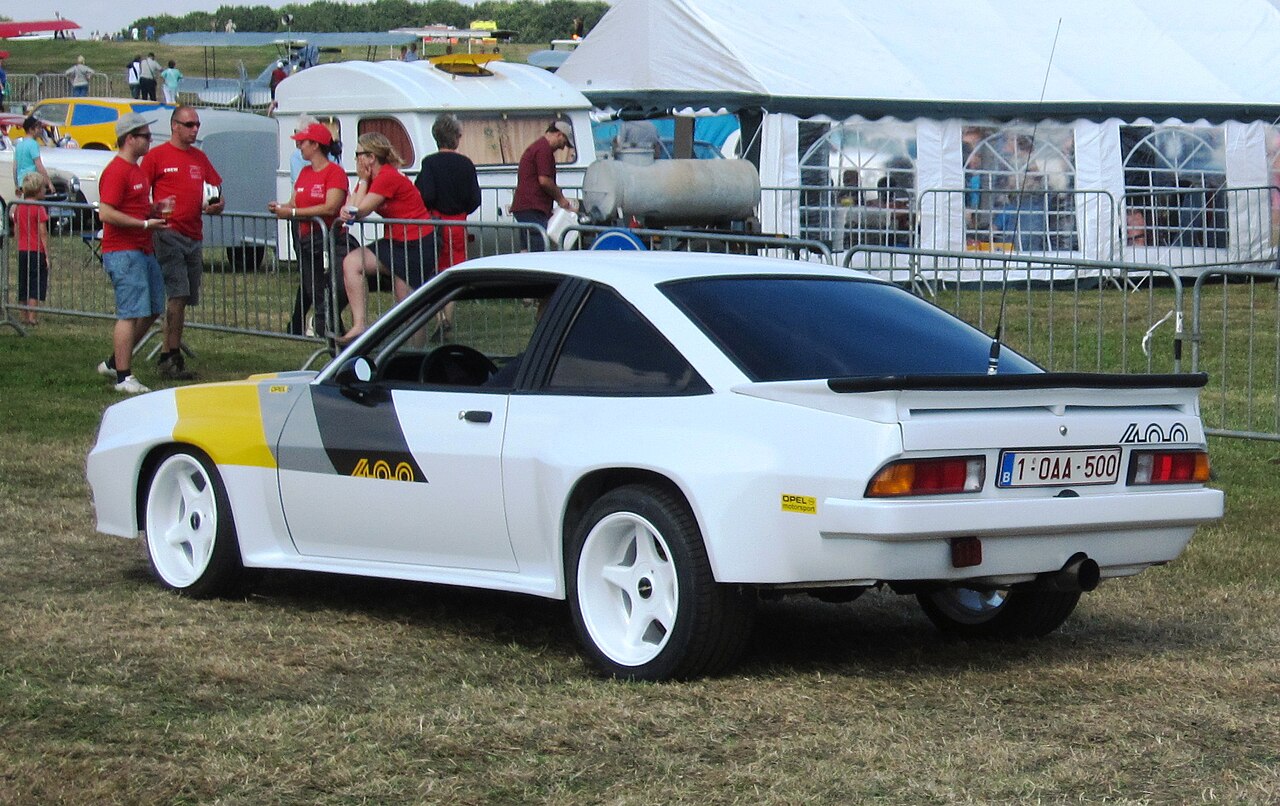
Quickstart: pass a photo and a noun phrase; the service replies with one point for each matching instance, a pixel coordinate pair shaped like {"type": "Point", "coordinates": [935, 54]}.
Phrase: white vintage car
{"type": "Point", "coordinates": [74, 172]}
{"type": "Point", "coordinates": [660, 439]}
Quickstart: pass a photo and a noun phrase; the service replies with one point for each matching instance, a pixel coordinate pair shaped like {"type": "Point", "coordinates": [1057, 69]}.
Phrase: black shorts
{"type": "Point", "coordinates": [33, 276]}
{"type": "Point", "coordinates": [411, 261]}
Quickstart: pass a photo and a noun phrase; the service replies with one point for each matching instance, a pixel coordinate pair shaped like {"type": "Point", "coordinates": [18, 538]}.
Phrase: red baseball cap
{"type": "Point", "coordinates": [316, 132]}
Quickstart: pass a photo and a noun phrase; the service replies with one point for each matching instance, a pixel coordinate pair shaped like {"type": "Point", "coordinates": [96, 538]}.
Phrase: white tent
{"type": "Point", "coordinates": [939, 58]}
{"type": "Point", "coordinates": [1104, 72]}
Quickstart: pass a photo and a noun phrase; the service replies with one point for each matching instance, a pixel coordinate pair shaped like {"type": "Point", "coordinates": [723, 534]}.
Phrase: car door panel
{"type": "Point", "coordinates": [400, 475]}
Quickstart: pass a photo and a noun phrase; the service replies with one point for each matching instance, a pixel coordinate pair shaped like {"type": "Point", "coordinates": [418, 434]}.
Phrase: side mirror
{"type": "Point", "coordinates": [355, 379]}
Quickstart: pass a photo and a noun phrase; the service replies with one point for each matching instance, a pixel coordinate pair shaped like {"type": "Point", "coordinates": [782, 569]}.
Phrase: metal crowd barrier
{"type": "Point", "coordinates": [1045, 307]}
{"type": "Point", "coordinates": [483, 239]}
{"type": "Point", "coordinates": [1235, 337]}
{"type": "Point", "coordinates": [1059, 312]}
{"type": "Point", "coordinates": [584, 236]}
{"type": "Point", "coordinates": [251, 278]}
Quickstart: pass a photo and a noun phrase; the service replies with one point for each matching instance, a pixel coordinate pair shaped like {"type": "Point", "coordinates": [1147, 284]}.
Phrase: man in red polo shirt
{"type": "Point", "coordinates": [536, 188]}
{"type": "Point", "coordinates": [127, 221]}
{"type": "Point", "coordinates": [178, 172]}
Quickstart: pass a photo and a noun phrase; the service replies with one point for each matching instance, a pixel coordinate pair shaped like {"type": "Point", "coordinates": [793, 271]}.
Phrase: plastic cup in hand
{"type": "Point", "coordinates": [165, 206]}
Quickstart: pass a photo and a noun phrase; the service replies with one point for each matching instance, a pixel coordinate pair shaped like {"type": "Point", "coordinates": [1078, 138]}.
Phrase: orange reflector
{"type": "Point", "coordinates": [1169, 467]}
{"type": "Point", "coordinates": [954, 474]}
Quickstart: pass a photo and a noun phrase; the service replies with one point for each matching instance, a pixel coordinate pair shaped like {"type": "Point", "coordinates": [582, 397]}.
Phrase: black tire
{"type": "Point", "coordinates": [644, 602]}
{"type": "Point", "coordinates": [245, 259]}
{"type": "Point", "coordinates": [190, 535]}
{"type": "Point", "coordinates": [1000, 613]}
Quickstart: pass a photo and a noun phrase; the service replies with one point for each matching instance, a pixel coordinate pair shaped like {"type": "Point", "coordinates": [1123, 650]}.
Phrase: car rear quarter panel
{"type": "Point", "coordinates": [733, 457]}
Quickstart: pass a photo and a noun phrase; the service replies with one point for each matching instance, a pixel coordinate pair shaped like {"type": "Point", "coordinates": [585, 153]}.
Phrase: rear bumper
{"type": "Point", "coordinates": [898, 520]}
{"type": "Point", "coordinates": [865, 542]}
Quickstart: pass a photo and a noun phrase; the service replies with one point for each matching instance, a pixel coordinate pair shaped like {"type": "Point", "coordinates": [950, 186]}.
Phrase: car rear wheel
{"type": "Point", "coordinates": [645, 604]}
{"type": "Point", "coordinates": [190, 537]}
{"type": "Point", "coordinates": [1002, 613]}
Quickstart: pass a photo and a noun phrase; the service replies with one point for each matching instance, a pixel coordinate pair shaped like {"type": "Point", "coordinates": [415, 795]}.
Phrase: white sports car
{"type": "Point", "coordinates": [660, 439]}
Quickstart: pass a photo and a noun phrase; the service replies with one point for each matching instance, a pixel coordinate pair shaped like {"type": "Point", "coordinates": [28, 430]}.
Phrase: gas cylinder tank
{"type": "Point", "coordinates": [670, 192]}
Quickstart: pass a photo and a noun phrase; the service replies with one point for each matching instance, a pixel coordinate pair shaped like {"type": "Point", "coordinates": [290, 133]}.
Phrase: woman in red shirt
{"type": "Point", "coordinates": [318, 192]}
{"type": "Point", "coordinates": [406, 252]}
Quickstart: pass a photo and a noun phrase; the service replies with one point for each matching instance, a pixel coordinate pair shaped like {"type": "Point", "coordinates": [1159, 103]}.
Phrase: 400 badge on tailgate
{"type": "Point", "coordinates": [661, 438]}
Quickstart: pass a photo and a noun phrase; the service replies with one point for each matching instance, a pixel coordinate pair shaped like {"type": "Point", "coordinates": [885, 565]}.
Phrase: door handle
{"type": "Point", "coordinates": [475, 416]}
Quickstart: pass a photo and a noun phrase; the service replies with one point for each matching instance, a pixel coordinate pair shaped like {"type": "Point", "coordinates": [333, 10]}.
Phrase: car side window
{"type": "Point", "coordinates": [611, 349]}
{"type": "Point", "coordinates": [89, 114]}
{"type": "Point", "coordinates": [475, 337]}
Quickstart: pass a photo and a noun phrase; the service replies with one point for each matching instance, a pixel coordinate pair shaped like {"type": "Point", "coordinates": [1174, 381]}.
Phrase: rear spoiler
{"type": "Point", "coordinates": [1036, 380]}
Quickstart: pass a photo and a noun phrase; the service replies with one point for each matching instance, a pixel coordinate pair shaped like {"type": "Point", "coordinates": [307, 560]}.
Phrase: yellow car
{"type": "Point", "coordinates": [91, 122]}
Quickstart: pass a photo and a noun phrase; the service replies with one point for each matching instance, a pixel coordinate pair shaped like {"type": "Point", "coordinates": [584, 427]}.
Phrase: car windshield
{"type": "Point", "coordinates": [798, 328]}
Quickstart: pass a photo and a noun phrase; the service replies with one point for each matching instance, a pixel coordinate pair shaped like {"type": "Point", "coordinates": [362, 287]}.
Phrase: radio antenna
{"type": "Point", "coordinates": [993, 360]}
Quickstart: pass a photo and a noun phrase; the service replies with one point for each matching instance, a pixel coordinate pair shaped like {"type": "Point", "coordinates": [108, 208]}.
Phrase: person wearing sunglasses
{"type": "Point", "coordinates": [406, 251]}
{"type": "Point", "coordinates": [178, 172]}
{"type": "Point", "coordinates": [128, 219]}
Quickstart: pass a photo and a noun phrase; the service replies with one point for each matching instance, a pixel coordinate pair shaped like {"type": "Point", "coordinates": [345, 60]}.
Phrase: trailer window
{"type": "Point", "coordinates": [394, 131]}
{"type": "Point", "coordinates": [501, 139]}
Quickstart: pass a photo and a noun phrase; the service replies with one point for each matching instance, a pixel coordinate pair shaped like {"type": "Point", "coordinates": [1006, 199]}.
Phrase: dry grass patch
{"type": "Point", "coordinates": [314, 689]}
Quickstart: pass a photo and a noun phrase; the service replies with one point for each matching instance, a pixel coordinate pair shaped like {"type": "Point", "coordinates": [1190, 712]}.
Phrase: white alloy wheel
{"type": "Point", "coordinates": [190, 538]}
{"type": "Point", "coordinates": [645, 603]}
{"type": "Point", "coordinates": [627, 589]}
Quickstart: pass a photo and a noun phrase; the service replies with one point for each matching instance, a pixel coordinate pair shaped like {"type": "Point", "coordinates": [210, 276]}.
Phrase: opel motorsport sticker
{"type": "Point", "coordinates": [803, 504]}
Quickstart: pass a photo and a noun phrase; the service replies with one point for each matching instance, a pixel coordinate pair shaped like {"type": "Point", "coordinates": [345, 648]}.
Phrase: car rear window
{"type": "Point", "coordinates": [796, 328]}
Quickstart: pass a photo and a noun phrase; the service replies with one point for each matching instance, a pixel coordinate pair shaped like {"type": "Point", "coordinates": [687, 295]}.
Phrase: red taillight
{"type": "Point", "coordinates": [1168, 467]}
{"type": "Point", "coordinates": [957, 474]}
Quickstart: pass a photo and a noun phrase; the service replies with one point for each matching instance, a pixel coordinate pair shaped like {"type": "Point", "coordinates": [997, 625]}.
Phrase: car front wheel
{"type": "Point", "coordinates": [190, 538]}
{"type": "Point", "coordinates": [1002, 613]}
{"type": "Point", "coordinates": [645, 604]}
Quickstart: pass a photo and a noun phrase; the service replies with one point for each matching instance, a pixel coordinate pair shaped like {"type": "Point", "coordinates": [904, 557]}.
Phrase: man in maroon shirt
{"type": "Point", "coordinates": [127, 220]}
{"type": "Point", "coordinates": [178, 172]}
{"type": "Point", "coordinates": [536, 188]}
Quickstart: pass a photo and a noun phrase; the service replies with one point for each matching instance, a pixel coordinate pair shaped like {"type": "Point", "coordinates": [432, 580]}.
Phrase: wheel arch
{"type": "Point", "coordinates": [147, 470]}
{"type": "Point", "coordinates": [593, 485]}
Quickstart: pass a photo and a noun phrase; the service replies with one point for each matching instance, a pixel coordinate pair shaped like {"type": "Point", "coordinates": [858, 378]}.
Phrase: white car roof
{"type": "Point", "coordinates": [622, 269]}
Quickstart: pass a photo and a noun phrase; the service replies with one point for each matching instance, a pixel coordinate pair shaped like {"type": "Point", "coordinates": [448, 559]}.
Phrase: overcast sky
{"type": "Point", "coordinates": [112, 15]}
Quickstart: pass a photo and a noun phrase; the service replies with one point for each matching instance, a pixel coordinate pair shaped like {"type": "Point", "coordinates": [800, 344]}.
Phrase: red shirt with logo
{"type": "Point", "coordinates": [125, 187]}
{"type": "Point", "coordinates": [28, 220]}
{"type": "Point", "coordinates": [400, 200]}
{"type": "Point", "coordinates": [182, 174]}
{"type": "Point", "coordinates": [312, 188]}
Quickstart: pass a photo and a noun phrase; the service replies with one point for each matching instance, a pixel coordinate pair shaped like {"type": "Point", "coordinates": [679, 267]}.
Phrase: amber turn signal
{"type": "Point", "coordinates": [953, 474]}
{"type": "Point", "coordinates": [1168, 467]}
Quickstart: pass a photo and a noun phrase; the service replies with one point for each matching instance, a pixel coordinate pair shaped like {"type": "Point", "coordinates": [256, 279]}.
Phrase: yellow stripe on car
{"type": "Point", "coordinates": [225, 421]}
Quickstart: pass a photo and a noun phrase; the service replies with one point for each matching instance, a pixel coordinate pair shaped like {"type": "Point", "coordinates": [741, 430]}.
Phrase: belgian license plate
{"type": "Point", "coordinates": [1059, 468]}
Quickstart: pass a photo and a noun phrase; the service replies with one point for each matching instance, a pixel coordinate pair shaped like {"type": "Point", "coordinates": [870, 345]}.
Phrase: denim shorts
{"type": "Point", "coordinates": [139, 286]}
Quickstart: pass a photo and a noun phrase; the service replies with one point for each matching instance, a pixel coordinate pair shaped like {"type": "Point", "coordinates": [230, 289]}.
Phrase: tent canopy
{"type": "Point", "coordinates": [1092, 59]}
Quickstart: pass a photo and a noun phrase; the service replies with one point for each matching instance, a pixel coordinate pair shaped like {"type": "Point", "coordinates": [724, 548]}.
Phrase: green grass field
{"type": "Point", "coordinates": [36, 56]}
{"type": "Point", "coordinates": [316, 689]}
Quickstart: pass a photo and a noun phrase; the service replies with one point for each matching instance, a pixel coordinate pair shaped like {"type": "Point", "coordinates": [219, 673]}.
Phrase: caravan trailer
{"type": "Point", "coordinates": [502, 106]}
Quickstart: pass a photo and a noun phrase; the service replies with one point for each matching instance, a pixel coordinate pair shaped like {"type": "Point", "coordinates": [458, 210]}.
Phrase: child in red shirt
{"type": "Point", "coordinates": [30, 224]}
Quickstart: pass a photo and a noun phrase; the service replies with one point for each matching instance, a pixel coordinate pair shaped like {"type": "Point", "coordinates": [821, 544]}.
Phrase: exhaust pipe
{"type": "Point", "coordinates": [1079, 574]}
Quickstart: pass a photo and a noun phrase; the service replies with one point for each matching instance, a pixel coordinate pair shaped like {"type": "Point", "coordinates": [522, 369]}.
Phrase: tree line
{"type": "Point", "coordinates": [531, 20]}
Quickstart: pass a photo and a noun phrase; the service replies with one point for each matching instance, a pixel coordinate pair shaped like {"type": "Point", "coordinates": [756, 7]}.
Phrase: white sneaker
{"type": "Point", "coordinates": [131, 386]}
{"type": "Point", "coordinates": [106, 371]}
